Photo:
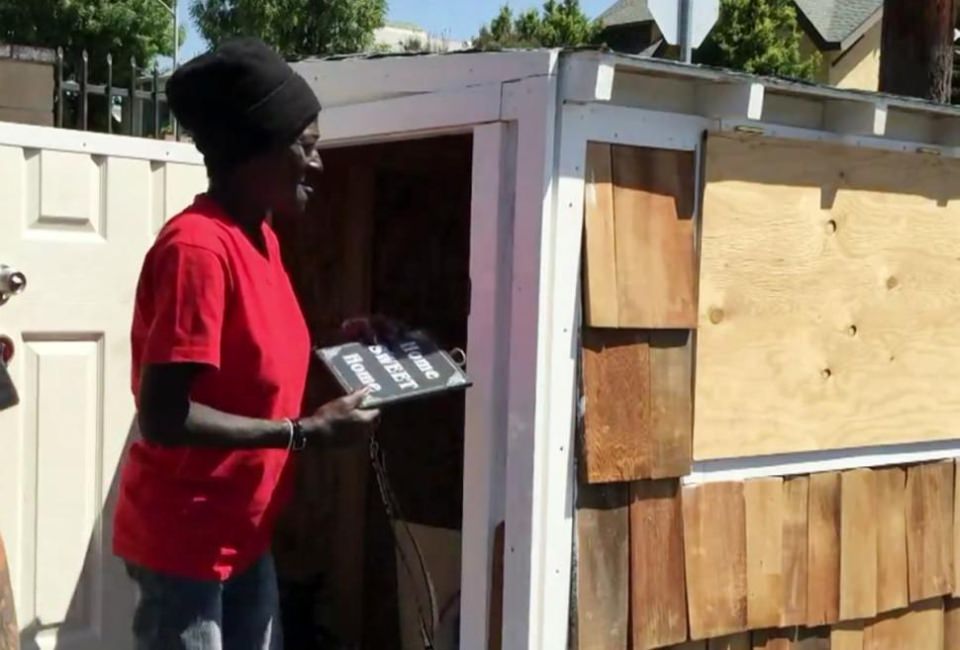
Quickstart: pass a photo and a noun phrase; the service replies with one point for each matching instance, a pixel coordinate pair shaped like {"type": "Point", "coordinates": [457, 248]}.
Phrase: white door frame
{"type": "Point", "coordinates": [475, 111]}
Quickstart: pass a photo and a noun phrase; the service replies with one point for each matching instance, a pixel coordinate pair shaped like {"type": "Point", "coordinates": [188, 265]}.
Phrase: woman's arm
{"type": "Point", "coordinates": [168, 417]}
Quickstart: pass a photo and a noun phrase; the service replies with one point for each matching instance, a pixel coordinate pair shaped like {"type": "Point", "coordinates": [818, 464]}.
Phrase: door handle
{"type": "Point", "coordinates": [12, 283]}
{"type": "Point", "coordinates": [8, 392]}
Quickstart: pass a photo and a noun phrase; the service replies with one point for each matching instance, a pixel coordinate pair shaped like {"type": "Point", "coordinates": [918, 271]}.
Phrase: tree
{"type": "Point", "coordinates": [916, 54]}
{"type": "Point", "coordinates": [414, 44]}
{"type": "Point", "coordinates": [141, 29]}
{"type": "Point", "coordinates": [758, 36]}
{"type": "Point", "coordinates": [296, 28]}
{"type": "Point", "coordinates": [560, 24]}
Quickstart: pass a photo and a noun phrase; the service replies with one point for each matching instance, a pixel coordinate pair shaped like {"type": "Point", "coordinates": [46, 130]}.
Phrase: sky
{"type": "Point", "coordinates": [457, 19]}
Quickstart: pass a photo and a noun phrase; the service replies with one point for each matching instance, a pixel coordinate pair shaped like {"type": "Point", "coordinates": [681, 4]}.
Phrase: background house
{"type": "Point", "coordinates": [26, 84]}
{"type": "Point", "coordinates": [400, 37]}
{"type": "Point", "coordinates": [845, 32]}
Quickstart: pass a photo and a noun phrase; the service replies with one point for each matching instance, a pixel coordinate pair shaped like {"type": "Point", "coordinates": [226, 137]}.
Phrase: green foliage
{"type": "Point", "coordinates": [560, 24]}
{"type": "Point", "coordinates": [296, 28]}
{"type": "Point", "coordinates": [761, 37]}
{"type": "Point", "coordinates": [414, 45]}
{"type": "Point", "coordinates": [141, 29]}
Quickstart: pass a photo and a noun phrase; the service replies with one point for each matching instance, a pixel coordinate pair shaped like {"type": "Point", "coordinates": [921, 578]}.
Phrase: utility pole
{"type": "Point", "coordinates": [916, 57]}
{"type": "Point", "coordinates": [174, 10]}
{"type": "Point", "coordinates": [686, 47]}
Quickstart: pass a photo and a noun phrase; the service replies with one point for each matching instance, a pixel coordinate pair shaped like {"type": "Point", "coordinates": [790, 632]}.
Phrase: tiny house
{"type": "Point", "coordinates": [710, 320]}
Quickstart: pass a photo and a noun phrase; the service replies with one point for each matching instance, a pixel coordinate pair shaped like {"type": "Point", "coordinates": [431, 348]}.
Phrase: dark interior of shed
{"type": "Point", "coordinates": [388, 232]}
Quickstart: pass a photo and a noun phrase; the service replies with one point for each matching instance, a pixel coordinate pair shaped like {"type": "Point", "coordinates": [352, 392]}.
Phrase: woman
{"type": "Point", "coordinates": [220, 355]}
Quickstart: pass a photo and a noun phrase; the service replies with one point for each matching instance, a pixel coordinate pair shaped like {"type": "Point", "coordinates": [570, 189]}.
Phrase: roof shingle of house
{"type": "Point", "coordinates": [626, 12]}
{"type": "Point", "coordinates": [833, 20]}
{"type": "Point", "coordinates": [836, 20]}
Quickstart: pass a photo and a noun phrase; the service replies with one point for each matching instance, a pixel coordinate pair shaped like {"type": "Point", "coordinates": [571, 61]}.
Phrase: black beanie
{"type": "Point", "coordinates": [240, 100]}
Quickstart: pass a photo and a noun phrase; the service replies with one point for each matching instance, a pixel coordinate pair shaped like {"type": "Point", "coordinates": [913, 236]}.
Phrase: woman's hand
{"type": "Point", "coordinates": [341, 422]}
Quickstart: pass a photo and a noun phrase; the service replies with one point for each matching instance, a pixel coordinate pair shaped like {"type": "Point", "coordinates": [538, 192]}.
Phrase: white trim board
{"type": "Point", "coordinates": [635, 127]}
{"type": "Point", "coordinates": [674, 69]}
{"type": "Point", "coordinates": [97, 144]}
{"type": "Point", "coordinates": [413, 116]}
{"type": "Point", "coordinates": [831, 137]}
{"type": "Point", "coordinates": [340, 82]}
{"type": "Point", "coordinates": [532, 613]}
{"type": "Point", "coordinates": [491, 222]}
{"type": "Point", "coordinates": [739, 469]}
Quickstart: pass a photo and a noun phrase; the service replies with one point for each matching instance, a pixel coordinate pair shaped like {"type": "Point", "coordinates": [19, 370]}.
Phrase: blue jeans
{"type": "Point", "coordinates": [242, 613]}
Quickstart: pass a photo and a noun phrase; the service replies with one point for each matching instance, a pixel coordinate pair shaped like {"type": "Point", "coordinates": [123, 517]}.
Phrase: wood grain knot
{"type": "Point", "coordinates": [716, 315]}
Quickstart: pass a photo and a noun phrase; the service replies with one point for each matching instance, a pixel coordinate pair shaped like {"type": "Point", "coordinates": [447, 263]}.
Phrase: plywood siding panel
{"type": "Point", "coordinates": [791, 639]}
{"type": "Point", "coordinates": [616, 384]}
{"type": "Point", "coordinates": [715, 548]}
{"type": "Point", "coordinates": [858, 545]}
{"type": "Point", "coordinates": [782, 639]}
{"type": "Point", "coordinates": [927, 624]}
{"type": "Point", "coordinates": [951, 624]}
{"type": "Point", "coordinates": [929, 498]}
{"type": "Point", "coordinates": [764, 500]}
{"type": "Point", "coordinates": [826, 314]}
{"type": "Point", "coordinates": [653, 199]}
{"type": "Point", "coordinates": [847, 636]}
{"type": "Point", "coordinates": [823, 547]}
{"type": "Point", "coordinates": [892, 590]}
{"type": "Point", "coordinates": [639, 404]}
{"type": "Point", "coordinates": [795, 565]}
{"type": "Point", "coordinates": [917, 628]}
{"type": "Point", "coordinates": [730, 642]}
{"type": "Point", "coordinates": [812, 639]}
{"type": "Point", "coordinates": [600, 262]}
{"type": "Point", "coordinates": [657, 581]}
{"type": "Point", "coordinates": [671, 403]}
{"type": "Point", "coordinates": [691, 645]}
{"type": "Point", "coordinates": [956, 531]}
{"type": "Point", "coordinates": [603, 566]}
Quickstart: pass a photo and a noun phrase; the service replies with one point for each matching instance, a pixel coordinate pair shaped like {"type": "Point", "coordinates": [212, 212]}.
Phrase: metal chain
{"type": "Point", "coordinates": [391, 507]}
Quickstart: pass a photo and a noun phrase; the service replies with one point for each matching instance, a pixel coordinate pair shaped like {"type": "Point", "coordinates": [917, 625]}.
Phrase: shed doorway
{"type": "Point", "coordinates": [389, 233]}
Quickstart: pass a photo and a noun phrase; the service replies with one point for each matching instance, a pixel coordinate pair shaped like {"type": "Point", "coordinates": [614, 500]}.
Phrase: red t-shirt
{"type": "Point", "coordinates": [208, 295]}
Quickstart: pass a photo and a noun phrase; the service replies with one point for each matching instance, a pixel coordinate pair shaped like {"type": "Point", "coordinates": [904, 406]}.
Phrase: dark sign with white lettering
{"type": "Point", "coordinates": [405, 369]}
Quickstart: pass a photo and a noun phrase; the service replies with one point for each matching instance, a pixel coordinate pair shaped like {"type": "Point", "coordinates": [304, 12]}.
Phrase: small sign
{"type": "Point", "coordinates": [667, 13]}
{"type": "Point", "coordinates": [406, 369]}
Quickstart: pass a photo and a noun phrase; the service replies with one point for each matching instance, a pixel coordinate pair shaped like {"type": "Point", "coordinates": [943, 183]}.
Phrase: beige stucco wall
{"type": "Point", "coordinates": [26, 92]}
{"type": "Point", "coordinates": [858, 68]}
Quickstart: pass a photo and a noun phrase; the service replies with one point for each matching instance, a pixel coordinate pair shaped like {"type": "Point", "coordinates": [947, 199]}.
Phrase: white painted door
{"type": "Point", "coordinates": [77, 213]}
